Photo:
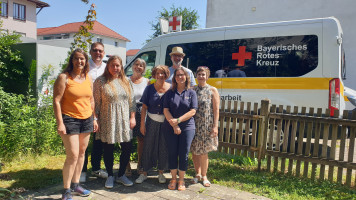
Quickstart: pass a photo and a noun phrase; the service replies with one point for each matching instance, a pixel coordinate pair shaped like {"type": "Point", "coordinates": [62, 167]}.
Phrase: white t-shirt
{"type": "Point", "coordinates": [139, 88]}
{"type": "Point", "coordinates": [96, 71]}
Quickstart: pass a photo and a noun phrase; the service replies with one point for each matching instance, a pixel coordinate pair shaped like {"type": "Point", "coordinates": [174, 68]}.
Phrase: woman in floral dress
{"type": "Point", "coordinates": [115, 108]}
{"type": "Point", "coordinates": [206, 123]}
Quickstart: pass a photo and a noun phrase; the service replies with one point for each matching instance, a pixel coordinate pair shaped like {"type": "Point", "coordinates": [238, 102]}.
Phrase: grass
{"type": "Point", "coordinates": [241, 173]}
{"type": "Point", "coordinates": [33, 172]}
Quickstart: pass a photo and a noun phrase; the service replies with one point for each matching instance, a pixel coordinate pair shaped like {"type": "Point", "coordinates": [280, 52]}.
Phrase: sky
{"type": "Point", "coordinates": [129, 18]}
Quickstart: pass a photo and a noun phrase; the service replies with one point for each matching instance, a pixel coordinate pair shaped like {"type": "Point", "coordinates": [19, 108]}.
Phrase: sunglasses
{"type": "Point", "coordinates": [98, 50]}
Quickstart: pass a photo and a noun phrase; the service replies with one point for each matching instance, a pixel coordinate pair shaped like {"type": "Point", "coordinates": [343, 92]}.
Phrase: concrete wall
{"type": "Point", "coordinates": [54, 52]}
{"type": "Point", "coordinates": [237, 12]}
{"type": "Point", "coordinates": [26, 28]}
{"type": "Point", "coordinates": [49, 55]}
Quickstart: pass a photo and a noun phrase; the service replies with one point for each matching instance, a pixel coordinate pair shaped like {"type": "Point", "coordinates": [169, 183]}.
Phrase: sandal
{"type": "Point", "coordinates": [206, 182]}
{"type": "Point", "coordinates": [196, 179]}
{"type": "Point", "coordinates": [181, 186]}
{"type": "Point", "coordinates": [172, 184]}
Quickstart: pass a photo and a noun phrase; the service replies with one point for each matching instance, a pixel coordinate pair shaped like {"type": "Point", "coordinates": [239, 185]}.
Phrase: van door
{"type": "Point", "coordinates": [149, 55]}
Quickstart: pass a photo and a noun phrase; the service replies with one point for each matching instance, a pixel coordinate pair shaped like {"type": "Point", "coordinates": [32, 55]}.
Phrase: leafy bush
{"type": "Point", "coordinates": [26, 127]}
{"type": "Point", "coordinates": [13, 73]}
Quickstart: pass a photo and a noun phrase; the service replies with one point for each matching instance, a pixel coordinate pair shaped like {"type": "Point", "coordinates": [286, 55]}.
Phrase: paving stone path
{"type": "Point", "coordinates": [150, 189]}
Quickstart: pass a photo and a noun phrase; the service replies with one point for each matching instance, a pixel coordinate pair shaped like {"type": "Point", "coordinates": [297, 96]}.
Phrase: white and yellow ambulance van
{"type": "Point", "coordinates": [296, 63]}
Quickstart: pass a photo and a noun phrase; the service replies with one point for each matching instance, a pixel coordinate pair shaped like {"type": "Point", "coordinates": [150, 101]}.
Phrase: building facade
{"type": "Point", "coordinates": [19, 16]}
{"type": "Point", "coordinates": [237, 12]}
{"type": "Point", "coordinates": [53, 44]}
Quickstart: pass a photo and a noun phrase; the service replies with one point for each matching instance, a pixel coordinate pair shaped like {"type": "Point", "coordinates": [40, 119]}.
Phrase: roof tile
{"type": "Point", "coordinates": [98, 29]}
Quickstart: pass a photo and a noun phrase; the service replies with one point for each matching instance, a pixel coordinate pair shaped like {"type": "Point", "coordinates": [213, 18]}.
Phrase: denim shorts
{"type": "Point", "coordinates": [77, 126]}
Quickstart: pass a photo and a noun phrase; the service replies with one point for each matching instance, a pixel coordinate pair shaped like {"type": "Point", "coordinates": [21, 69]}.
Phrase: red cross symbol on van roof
{"type": "Point", "coordinates": [174, 23]}
{"type": "Point", "coordinates": [241, 56]}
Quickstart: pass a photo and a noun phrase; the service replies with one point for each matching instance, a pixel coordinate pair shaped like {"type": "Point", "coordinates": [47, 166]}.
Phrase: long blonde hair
{"type": "Point", "coordinates": [123, 81]}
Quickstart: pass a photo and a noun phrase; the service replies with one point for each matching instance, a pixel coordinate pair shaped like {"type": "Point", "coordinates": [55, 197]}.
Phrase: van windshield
{"type": "Point", "coordinates": [149, 57]}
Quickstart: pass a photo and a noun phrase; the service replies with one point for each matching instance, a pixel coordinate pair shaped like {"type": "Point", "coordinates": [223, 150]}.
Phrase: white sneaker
{"type": "Point", "coordinates": [83, 177]}
{"type": "Point", "coordinates": [109, 183]}
{"type": "Point", "coordinates": [124, 180]}
{"type": "Point", "coordinates": [141, 178]}
{"type": "Point", "coordinates": [100, 173]}
{"type": "Point", "coordinates": [161, 178]}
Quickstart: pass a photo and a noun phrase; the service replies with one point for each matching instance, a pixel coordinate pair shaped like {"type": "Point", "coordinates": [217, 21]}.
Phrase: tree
{"type": "Point", "coordinates": [190, 18]}
{"type": "Point", "coordinates": [82, 39]}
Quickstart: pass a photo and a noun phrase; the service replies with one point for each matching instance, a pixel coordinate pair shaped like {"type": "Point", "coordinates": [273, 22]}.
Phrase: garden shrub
{"type": "Point", "coordinates": [26, 127]}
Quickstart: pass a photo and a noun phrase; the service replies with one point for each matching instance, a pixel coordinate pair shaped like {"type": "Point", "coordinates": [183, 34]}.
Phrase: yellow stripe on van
{"type": "Point", "coordinates": [271, 83]}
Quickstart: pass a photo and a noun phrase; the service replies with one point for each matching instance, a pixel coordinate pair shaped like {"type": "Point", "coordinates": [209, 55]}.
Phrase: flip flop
{"type": "Point", "coordinates": [181, 186]}
{"type": "Point", "coordinates": [172, 184]}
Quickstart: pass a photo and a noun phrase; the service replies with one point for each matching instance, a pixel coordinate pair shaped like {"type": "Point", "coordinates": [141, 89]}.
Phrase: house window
{"type": "Point", "coordinates": [47, 37]}
{"type": "Point", "coordinates": [19, 12]}
{"type": "Point", "coordinates": [116, 44]}
{"type": "Point", "coordinates": [99, 40]}
{"type": "Point", "coordinates": [4, 12]}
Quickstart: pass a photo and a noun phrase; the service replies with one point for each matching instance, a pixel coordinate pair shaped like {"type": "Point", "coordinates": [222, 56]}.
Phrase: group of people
{"type": "Point", "coordinates": [170, 118]}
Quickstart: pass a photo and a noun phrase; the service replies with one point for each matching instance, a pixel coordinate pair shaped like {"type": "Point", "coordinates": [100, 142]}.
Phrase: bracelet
{"type": "Point", "coordinates": [96, 119]}
{"type": "Point", "coordinates": [178, 120]}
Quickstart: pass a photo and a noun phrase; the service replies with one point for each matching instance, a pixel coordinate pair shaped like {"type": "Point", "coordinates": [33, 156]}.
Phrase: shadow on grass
{"type": "Point", "coordinates": [34, 179]}
{"type": "Point", "coordinates": [241, 173]}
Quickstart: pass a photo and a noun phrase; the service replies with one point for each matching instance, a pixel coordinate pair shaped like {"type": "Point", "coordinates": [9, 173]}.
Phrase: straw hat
{"type": "Point", "coordinates": [177, 50]}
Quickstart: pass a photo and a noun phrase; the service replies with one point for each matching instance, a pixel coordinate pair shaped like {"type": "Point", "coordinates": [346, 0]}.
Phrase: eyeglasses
{"type": "Point", "coordinates": [177, 55]}
{"type": "Point", "coordinates": [98, 50]}
{"type": "Point", "coordinates": [180, 75]}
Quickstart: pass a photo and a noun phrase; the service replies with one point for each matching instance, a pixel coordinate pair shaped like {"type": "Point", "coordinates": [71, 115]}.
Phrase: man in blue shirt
{"type": "Point", "coordinates": [177, 57]}
{"type": "Point", "coordinates": [236, 73]}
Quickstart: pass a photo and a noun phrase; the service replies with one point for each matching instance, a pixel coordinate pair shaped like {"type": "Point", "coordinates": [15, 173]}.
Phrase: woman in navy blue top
{"type": "Point", "coordinates": [155, 152]}
{"type": "Point", "coordinates": [180, 105]}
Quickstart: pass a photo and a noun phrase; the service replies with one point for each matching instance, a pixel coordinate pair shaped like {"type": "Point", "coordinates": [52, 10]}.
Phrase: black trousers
{"type": "Point", "coordinates": [96, 154]}
{"type": "Point", "coordinates": [124, 157]}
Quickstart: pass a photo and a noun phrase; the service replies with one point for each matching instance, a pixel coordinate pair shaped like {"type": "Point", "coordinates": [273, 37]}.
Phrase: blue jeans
{"type": "Point", "coordinates": [178, 148]}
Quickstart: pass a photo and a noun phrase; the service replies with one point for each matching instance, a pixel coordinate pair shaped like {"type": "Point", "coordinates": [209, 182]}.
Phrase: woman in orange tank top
{"type": "Point", "coordinates": [73, 105]}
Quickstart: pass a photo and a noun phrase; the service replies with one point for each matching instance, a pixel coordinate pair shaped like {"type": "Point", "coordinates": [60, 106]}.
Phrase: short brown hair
{"type": "Point", "coordinates": [96, 44]}
{"type": "Point", "coordinates": [187, 80]}
{"type": "Point", "coordinates": [163, 68]}
{"type": "Point", "coordinates": [203, 69]}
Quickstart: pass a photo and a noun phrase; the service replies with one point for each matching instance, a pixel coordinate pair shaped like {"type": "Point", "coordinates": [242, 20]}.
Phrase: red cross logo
{"type": "Point", "coordinates": [174, 23]}
{"type": "Point", "coordinates": [241, 56]}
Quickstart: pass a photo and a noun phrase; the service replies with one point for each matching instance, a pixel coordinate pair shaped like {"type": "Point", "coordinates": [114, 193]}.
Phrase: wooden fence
{"type": "Point", "coordinates": [309, 144]}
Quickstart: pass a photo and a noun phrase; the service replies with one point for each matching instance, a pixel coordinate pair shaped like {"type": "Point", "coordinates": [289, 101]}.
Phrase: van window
{"type": "Point", "coordinates": [149, 57]}
{"type": "Point", "coordinates": [197, 54]}
{"type": "Point", "coordinates": [283, 56]}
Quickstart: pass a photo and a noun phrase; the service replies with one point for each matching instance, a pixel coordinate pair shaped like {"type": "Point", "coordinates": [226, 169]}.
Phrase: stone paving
{"type": "Point", "coordinates": [149, 189]}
